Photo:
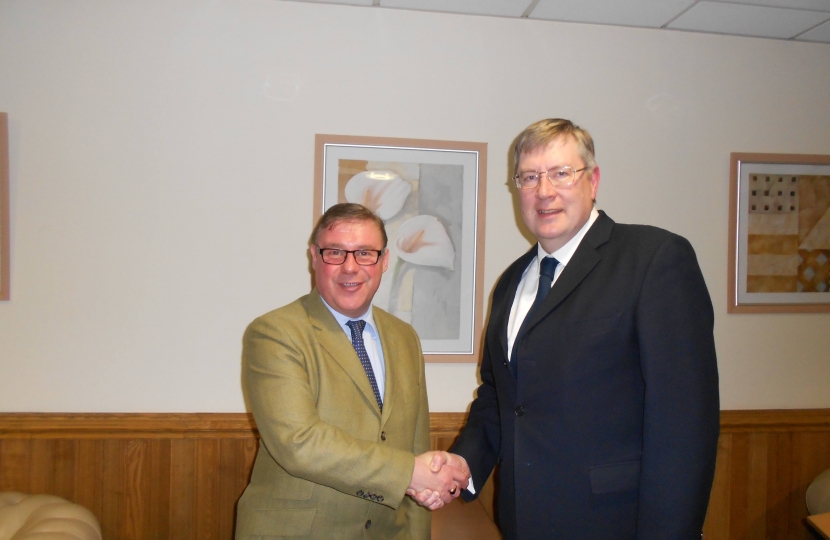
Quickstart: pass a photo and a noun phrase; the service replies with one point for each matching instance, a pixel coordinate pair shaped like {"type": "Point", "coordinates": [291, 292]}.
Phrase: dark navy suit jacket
{"type": "Point", "coordinates": [610, 429]}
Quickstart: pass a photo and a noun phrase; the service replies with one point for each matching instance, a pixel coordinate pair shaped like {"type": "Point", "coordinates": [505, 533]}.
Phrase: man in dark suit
{"type": "Point", "coordinates": [599, 395]}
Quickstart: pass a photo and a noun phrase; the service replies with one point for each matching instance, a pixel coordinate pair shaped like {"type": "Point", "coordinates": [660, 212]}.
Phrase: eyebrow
{"type": "Point", "coordinates": [341, 246]}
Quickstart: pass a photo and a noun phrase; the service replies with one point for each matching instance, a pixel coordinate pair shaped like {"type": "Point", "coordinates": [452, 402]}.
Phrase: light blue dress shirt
{"type": "Point", "coordinates": [371, 340]}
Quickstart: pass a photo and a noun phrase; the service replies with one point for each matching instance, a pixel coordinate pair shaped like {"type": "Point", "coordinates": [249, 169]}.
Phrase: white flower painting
{"type": "Point", "coordinates": [421, 207]}
{"type": "Point", "coordinates": [430, 195]}
{"type": "Point", "coordinates": [382, 192]}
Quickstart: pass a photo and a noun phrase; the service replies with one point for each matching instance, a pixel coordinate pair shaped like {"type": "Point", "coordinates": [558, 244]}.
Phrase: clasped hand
{"type": "Point", "coordinates": [438, 478]}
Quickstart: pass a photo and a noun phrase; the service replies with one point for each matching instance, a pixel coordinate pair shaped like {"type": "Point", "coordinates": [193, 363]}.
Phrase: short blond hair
{"type": "Point", "coordinates": [540, 134]}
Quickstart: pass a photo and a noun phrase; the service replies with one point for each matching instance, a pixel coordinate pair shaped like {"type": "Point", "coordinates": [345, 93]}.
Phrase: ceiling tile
{"type": "Point", "coordinates": [505, 8]}
{"type": "Point", "coordinates": [348, 2]}
{"type": "Point", "coordinates": [814, 5]}
{"type": "Point", "coordinates": [820, 33]}
{"type": "Point", "coordinates": [747, 20]}
{"type": "Point", "coordinates": [647, 13]}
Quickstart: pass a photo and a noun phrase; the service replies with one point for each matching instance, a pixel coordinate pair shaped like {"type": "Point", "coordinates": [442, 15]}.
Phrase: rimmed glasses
{"type": "Point", "coordinates": [557, 176]}
{"type": "Point", "coordinates": [337, 256]}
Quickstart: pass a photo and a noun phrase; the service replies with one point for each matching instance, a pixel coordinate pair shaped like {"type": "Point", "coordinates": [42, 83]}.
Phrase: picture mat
{"type": "Point", "coordinates": [745, 170]}
{"type": "Point", "coordinates": [333, 153]}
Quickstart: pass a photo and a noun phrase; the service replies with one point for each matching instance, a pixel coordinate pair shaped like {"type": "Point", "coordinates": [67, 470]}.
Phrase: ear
{"type": "Point", "coordinates": [384, 260]}
{"type": "Point", "coordinates": [312, 249]}
{"type": "Point", "coordinates": [594, 182]}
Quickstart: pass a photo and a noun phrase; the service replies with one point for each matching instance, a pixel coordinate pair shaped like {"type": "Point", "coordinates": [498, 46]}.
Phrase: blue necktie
{"type": "Point", "coordinates": [546, 270]}
{"type": "Point", "coordinates": [360, 348]}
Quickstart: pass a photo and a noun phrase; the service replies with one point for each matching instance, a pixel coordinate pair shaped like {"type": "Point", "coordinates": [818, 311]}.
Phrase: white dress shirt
{"type": "Point", "coordinates": [526, 292]}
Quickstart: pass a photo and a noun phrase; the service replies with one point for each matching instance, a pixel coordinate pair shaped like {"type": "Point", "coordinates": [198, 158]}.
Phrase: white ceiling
{"type": "Point", "coordinates": [799, 20]}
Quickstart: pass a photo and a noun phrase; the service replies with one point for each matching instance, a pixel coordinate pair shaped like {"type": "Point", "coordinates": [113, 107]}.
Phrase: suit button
{"type": "Point", "coordinates": [360, 493]}
{"type": "Point", "coordinates": [368, 523]}
{"type": "Point", "coordinates": [519, 410]}
{"type": "Point", "coordinates": [380, 498]}
{"type": "Point", "coordinates": [373, 497]}
{"type": "Point", "coordinates": [383, 435]}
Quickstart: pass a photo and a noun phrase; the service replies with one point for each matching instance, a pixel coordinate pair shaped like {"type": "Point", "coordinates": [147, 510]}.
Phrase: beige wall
{"type": "Point", "coordinates": [162, 159]}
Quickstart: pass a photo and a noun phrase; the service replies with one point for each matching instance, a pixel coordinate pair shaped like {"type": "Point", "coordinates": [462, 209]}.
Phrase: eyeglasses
{"type": "Point", "coordinates": [363, 257]}
{"type": "Point", "coordinates": [557, 176]}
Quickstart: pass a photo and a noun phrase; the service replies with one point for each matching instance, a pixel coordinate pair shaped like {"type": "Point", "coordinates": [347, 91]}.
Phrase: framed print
{"type": "Point", "coordinates": [779, 233]}
{"type": "Point", "coordinates": [5, 280]}
{"type": "Point", "coordinates": [430, 194]}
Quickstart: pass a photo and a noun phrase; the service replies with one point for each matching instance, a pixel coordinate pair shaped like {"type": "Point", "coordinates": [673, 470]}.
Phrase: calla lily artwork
{"type": "Point", "coordinates": [382, 192]}
{"type": "Point", "coordinates": [417, 239]}
{"type": "Point", "coordinates": [427, 195]}
{"type": "Point", "coordinates": [423, 240]}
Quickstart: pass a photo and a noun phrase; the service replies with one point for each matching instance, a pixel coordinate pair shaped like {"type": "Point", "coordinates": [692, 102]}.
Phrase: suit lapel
{"type": "Point", "coordinates": [387, 338]}
{"type": "Point", "coordinates": [514, 278]}
{"type": "Point", "coordinates": [583, 261]}
{"type": "Point", "coordinates": [334, 341]}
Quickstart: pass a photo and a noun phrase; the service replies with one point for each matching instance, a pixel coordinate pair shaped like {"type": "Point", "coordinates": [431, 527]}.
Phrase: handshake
{"type": "Point", "coordinates": [438, 478]}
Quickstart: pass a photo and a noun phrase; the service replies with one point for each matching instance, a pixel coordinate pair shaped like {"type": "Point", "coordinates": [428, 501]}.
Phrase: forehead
{"type": "Point", "coordinates": [343, 233]}
{"type": "Point", "coordinates": [563, 148]}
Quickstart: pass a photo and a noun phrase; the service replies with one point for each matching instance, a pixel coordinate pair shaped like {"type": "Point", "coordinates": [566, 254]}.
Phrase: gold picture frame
{"type": "Point", "coordinates": [779, 233]}
{"type": "Point", "coordinates": [5, 266]}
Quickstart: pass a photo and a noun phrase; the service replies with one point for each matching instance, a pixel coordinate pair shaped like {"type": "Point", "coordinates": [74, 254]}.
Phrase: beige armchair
{"type": "Point", "coordinates": [45, 517]}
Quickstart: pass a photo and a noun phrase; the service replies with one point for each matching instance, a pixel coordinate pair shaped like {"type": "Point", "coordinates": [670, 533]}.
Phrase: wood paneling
{"type": "Point", "coordinates": [178, 476]}
{"type": "Point", "coordinates": [766, 460]}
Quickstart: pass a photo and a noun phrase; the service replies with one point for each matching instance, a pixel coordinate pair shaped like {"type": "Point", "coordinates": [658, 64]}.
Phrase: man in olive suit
{"type": "Point", "coordinates": [338, 394]}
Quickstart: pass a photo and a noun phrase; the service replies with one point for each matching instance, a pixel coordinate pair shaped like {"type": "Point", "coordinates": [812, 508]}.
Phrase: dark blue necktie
{"type": "Point", "coordinates": [360, 348]}
{"type": "Point", "coordinates": [546, 270]}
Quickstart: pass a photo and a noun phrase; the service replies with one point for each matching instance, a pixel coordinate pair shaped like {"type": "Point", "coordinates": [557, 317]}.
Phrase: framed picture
{"type": "Point", "coordinates": [431, 195]}
{"type": "Point", "coordinates": [5, 280]}
{"type": "Point", "coordinates": [779, 233]}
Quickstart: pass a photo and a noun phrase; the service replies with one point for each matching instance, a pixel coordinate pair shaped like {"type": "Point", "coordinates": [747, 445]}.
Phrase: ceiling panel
{"type": "Point", "coordinates": [748, 20]}
{"type": "Point", "coordinates": [348, 2]}
{"type": "Point", "coordinates": [648, 13]}
{"type": "Point", "coordinates": [504, 8]}
{"type": "Point", "coordinates": [814, 5]}
{"type": "Point", "coordinates": [802, 20]}
{"type": "Point", "coordinates": [820, 33]}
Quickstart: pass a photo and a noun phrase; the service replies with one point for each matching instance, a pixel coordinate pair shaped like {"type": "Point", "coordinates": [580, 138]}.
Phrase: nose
{"type": "Point", "coordinates": [350, 264]}
{"type": "Point", "coordinates": [545, 188]}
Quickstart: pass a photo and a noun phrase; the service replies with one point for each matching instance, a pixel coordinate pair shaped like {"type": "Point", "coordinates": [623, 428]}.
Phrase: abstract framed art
{"type": "Point", "coordinates": [5, 280]}
{"type": "Point", "coordinates": [431, 196]}
{"type": "Point", "coordinates": [779, 233]}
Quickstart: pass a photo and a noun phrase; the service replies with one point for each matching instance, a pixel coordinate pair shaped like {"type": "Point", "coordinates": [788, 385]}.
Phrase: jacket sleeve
{"type": "Point", "coordinates": [420, 519]}
{"type": "Point", "coordinates": [282, 391]}
{"type": "Point", "coordinates": [675, 323]}
{"type": "Point", "coordinates": [480, 440]}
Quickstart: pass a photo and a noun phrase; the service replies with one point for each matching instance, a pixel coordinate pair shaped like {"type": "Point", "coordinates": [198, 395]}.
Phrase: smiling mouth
{"type": "Point", "coordinates": [350, 284]}
{"type": "Point", "coordinates": [548, 212]}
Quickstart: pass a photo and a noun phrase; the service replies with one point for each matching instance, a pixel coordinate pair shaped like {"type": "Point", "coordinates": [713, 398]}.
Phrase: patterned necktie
{"type": "Point", "coordinates": [357, 340]}
{"type": "Point", "coordinates": [546, 270]}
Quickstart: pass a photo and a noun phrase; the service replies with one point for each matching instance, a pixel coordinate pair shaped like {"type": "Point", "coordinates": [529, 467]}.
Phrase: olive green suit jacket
{"type": "Point", "coordinates": [330, 465]}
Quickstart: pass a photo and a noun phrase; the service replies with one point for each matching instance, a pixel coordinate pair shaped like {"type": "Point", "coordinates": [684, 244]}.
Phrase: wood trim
{"type": "Point", "coordinates": [775, 420]}
{"type": "Point", "coordinates": [197, 425]}
{"type": "Point", "coordinates": [126, 425]}
{"type": "Point", "coordinates": [161, 425]}
{"type": "Point", "coordinates": [446, 423]}
{"type": "Point", "coordinates": [5, 220]}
